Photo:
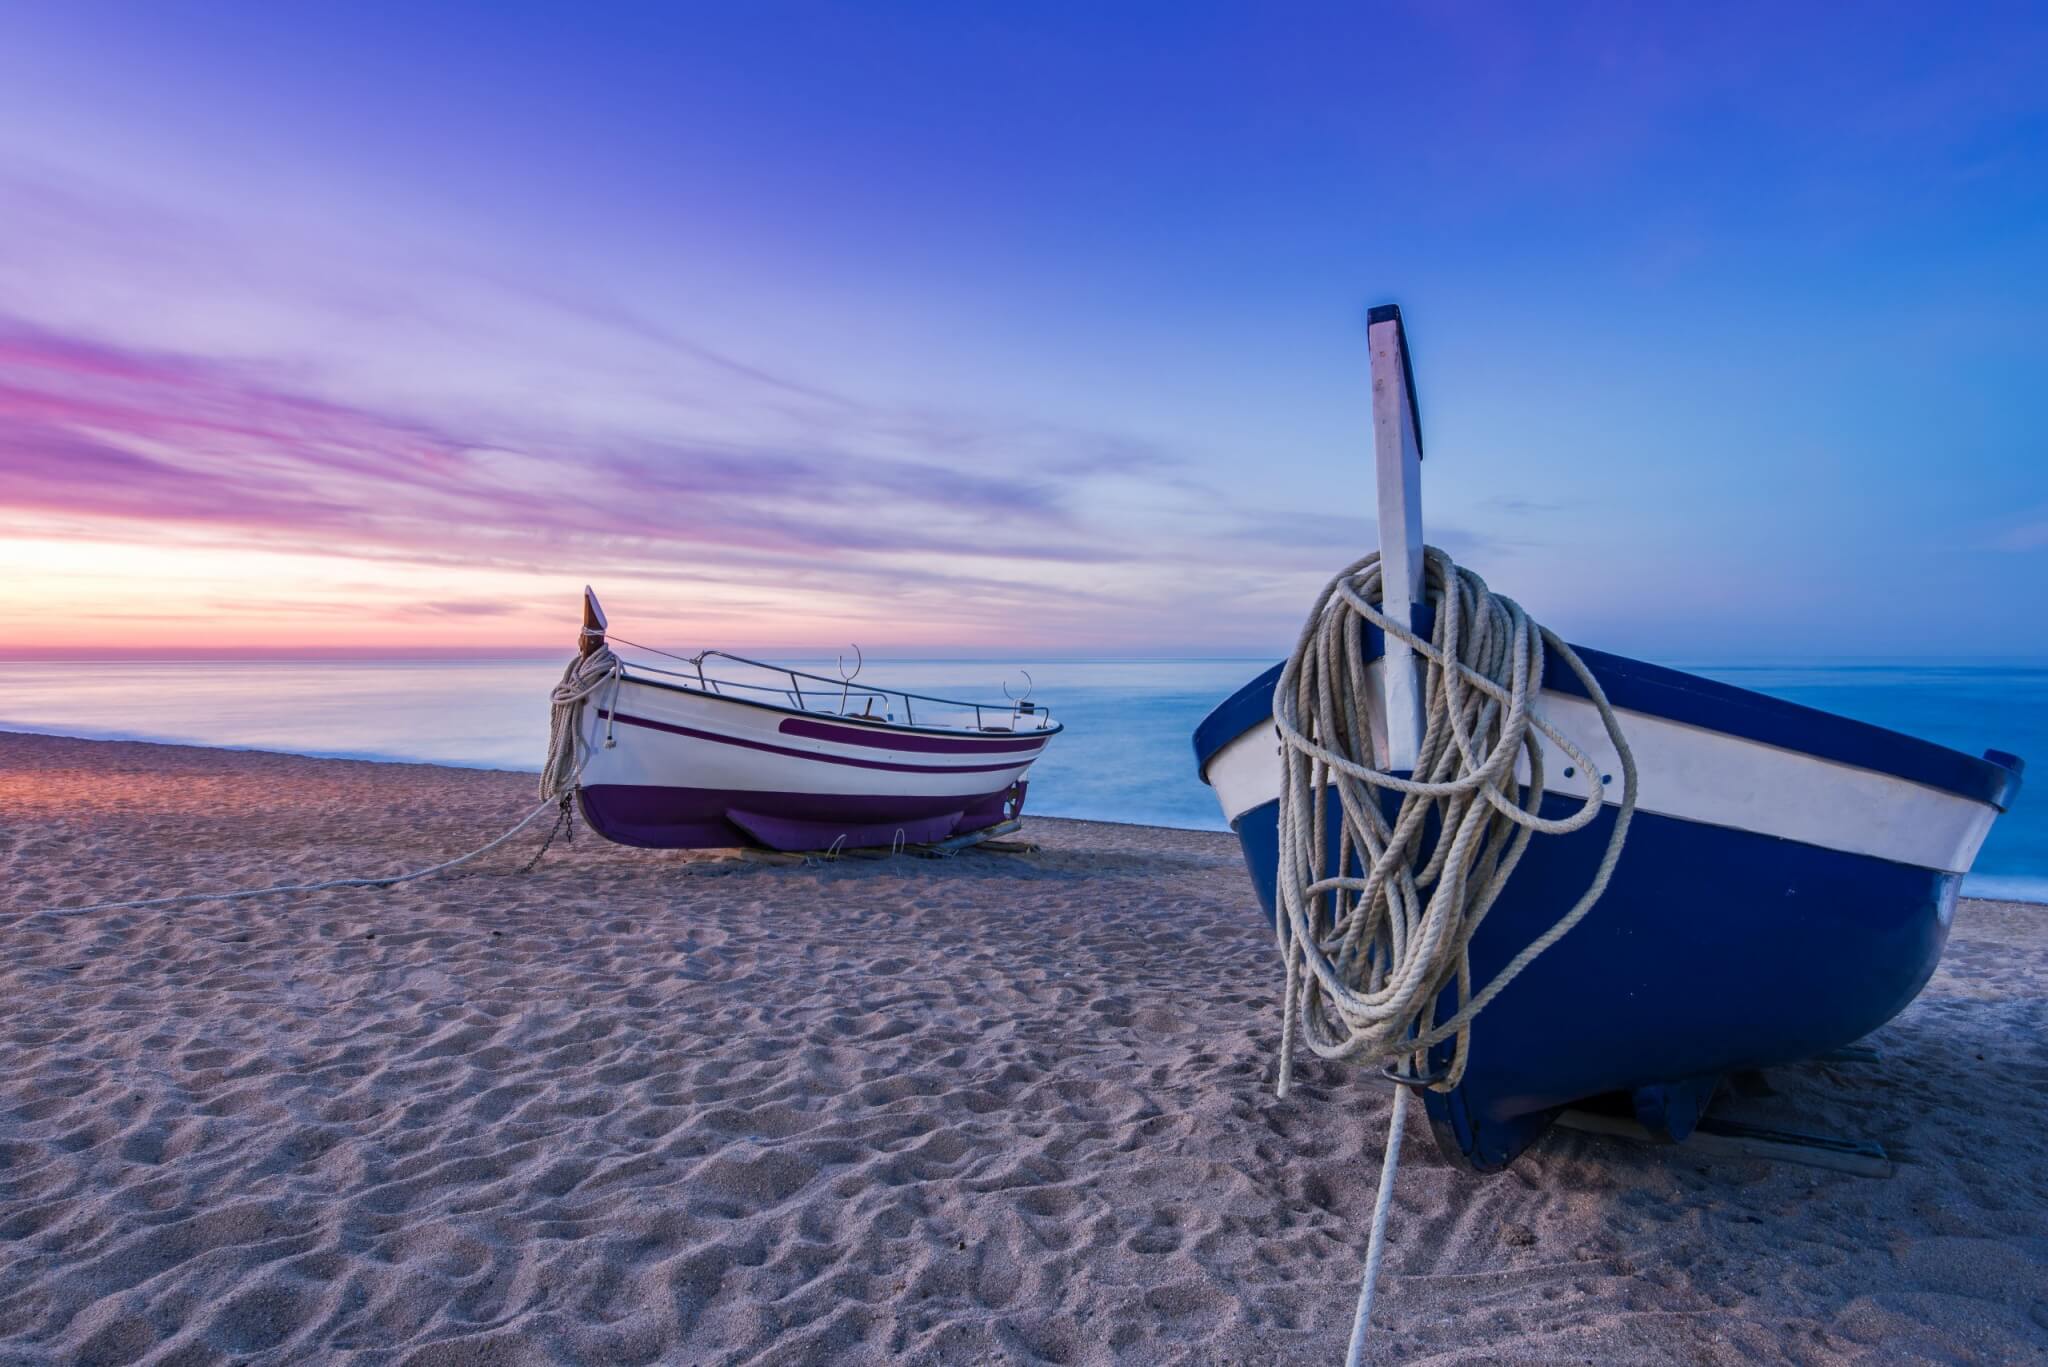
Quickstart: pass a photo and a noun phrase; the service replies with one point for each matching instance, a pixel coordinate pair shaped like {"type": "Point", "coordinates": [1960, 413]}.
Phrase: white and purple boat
{"type": "Point", "coordinates": [1786, 887]}
{"type": "Point", "coordinates": [723, 751]}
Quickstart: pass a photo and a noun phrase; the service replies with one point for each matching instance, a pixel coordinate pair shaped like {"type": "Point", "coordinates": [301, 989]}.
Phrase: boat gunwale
{"type": "Point", "coordinates": [1693, 700]}
{"type": "Point", "coordinates": [905, 728]}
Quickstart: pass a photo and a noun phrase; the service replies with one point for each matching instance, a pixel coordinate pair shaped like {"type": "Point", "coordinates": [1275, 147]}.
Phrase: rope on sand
{"type": "Point", "coordinates": [1367, 954]}
{"type": "Point", "coordinates": [584, 677]}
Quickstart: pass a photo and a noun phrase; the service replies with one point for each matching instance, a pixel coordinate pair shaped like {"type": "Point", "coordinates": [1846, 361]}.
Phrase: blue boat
{"type": "Point", "coordinates": [1786, 886]}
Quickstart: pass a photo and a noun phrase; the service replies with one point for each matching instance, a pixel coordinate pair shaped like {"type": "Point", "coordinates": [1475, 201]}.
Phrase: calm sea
{"type": "Point", "coordinates": [1125, 756]}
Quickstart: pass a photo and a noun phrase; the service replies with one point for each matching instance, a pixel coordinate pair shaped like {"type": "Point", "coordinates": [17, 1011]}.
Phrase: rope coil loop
{"type": "Point", "coordinates": [1371, 932]}
{"type": "Point", "coordinates": [1368, 948]}
{"type": "Point", "coordinates": [585, 677]}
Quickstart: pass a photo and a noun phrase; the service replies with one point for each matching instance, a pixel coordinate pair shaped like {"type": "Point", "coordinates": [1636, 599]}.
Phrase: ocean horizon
{"type": "Point", "coordinates": [1125, 756]}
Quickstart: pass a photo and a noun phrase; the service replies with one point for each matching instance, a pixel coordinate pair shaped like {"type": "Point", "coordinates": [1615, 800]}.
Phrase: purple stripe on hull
{"type": "Point", "coordinates": [879, 739]}
{"type": "Point", "coordinates": [665, 818]}
{"type": "Point", "coordinates": [716, 738]}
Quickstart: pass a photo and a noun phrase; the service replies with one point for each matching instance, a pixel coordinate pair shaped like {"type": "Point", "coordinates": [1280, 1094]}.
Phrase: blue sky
{"type": "Point", "coordinates": [956, 328]}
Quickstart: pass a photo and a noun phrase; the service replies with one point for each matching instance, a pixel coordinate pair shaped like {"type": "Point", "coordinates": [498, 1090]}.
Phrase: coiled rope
{"type": "Point", "coordinates": [1369, 948]}
{"type": "Point", "coordinates": [585, 676]}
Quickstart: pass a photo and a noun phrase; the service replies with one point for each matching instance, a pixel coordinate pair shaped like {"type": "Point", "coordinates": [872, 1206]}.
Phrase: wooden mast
{"type": "Point", "coordinates": [591, 639]}
{"type": "Point", "coordinates": [1397, 460]}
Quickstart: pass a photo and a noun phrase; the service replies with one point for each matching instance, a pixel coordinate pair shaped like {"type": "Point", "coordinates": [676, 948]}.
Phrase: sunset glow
{"type": "Point", "coordinates": [1038, 335]}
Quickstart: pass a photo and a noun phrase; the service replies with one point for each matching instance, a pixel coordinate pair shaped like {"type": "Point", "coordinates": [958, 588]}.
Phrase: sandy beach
{"type": "Point", "coordinates": [639, 1107]}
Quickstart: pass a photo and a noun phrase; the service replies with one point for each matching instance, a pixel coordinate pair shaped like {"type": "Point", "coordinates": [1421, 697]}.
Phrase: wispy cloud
{"type": "Point", "coordinates": [1525, 507]}
{"type": "Point", "coordinates": [2027, 532]}
{"type": "Point", "coordinates": [470, 607]}
{"type": "Point", "coordinates": [936, 524]}
{"type": "Point", "coordinates": [89, 430]}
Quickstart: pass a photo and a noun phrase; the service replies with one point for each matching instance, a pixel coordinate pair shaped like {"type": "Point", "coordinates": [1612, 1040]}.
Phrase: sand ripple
{"type": "Point", "coordinates": [638, 1107]}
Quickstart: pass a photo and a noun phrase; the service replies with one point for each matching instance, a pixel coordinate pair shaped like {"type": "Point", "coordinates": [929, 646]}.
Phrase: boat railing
{"type": "Point", "coordinates": [832, 697]}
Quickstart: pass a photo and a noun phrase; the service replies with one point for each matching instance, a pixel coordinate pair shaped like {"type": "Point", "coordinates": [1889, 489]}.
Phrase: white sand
{"type": "Point", "coordinates": [650, 1107]}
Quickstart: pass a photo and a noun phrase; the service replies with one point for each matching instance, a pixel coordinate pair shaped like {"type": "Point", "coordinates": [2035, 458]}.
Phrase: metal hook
{"type": "Point", "coordinates": [846, 679]}
{"type": "Point", "coordinates": [1028, 687]}
{"type": "Point", "coordinates": [1392, 1073]}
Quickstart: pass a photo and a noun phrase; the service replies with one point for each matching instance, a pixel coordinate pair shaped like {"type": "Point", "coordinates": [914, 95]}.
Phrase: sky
{"type": "Point", "coordinates": [375, 330]}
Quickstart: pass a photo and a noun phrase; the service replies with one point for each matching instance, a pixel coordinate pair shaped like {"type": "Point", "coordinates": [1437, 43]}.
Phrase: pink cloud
{"type": "Point", "coordinates": [93, 431]}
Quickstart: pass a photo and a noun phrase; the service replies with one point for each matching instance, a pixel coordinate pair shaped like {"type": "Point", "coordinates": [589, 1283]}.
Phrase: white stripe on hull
{"type": "Point", "coordinates": [1705, 776]}
{"type": "Point", "coordinates": [652, 757]}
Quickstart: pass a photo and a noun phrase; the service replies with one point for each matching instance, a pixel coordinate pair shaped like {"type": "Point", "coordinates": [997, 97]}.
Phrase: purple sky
{"type": "Point", "coordinates": [1042, 332]}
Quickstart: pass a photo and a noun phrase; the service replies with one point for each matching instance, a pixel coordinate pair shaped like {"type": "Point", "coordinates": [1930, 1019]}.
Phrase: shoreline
{"type": "Point", "coordinates": [653, 1105]}
{"type": "Point", "coordinates": [2025, 889]}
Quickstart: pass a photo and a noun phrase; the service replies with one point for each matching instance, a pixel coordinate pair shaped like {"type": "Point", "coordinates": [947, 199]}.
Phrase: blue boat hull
{"type": "Point", "coordinates": [1718, 945]}
{"type": "Point", "coordinates": [1712, 951]}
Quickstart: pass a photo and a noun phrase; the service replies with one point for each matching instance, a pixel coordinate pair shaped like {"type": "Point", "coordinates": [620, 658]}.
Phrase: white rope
{"type": "Point", "coordinates": [1375, 1250]}
{"type": "Point", "coordinates": [1367, 953]}
{"type": "Point", "coordinates": [566, 758]}
{"type": "Point", "coordinates": [584, 677]}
